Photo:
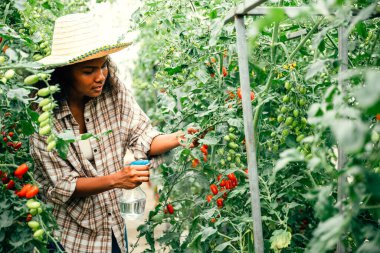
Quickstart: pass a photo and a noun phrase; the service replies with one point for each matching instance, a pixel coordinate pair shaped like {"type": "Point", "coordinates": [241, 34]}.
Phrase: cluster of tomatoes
{"type": "Point", "coordinates": [212, 66]}
{"type": "Point", "coordinates": [28, 190]}
{"type": "Point", "coordinates": [225, 184]}
{"type": "Point", "coordinates": [204, 149]}
{"type": "Point", "coordinates": [8, 138]}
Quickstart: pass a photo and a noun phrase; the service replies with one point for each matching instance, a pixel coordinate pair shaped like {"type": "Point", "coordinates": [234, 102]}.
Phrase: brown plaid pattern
{"type": "Point", "coordinates": [86, 223]}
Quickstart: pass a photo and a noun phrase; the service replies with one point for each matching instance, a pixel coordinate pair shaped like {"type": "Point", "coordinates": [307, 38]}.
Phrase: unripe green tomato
{"type": "Point", "coordinates": [302, 102]}
{"type": "Point", "coordinates": [45, 130]}
{"type": "Point", "coordinates": [33, 205]}
{"type": "Point", "coordinates": [43, 76]}
{"type": "Point", "coordinates": [30, 80]}
{"type": "Point", "coordinates": [227, 138]}
{"type": "Point", "coordinates": [295, 124]}
{"type": "Point", "coordinates": [231, 129]}
{"type": "Point", "coordinates": [51, 145]}
{"type": "Point", "coordinates": [229, 158]}
{"type": "Point", "coordinates": [33, 224]}
{"type": "Point", "coordinates": [237, 160]}
{"type": "Point", "coordinates": [300, 138]}
{"type": "Point", "coordinates": [288, 121]}
{"type": "Point", "coordinates": [2, 59]}
{"type": "Point", "coordinates": [37, 57]}
{"type": "Point", "coordinates": [222, 162]}
{"type": "Point", "coordinates": [275, 147]}
{"type": "Point", "coordinates": [39, 210]}
{"type": "Point", "coordinates": [296, 113]}
{"type": "Point", "coordinates": [44, 102]}
{"type": "Point", "coordinates": [231, 151]}
{"type": "Point", "coordinates": [233, 145]}
{"type": "Point", "coordinates": [288, 85]}
{"type": "Point", "coordinates": [38, 234]}
{"type": "Point", "coordinates": [280, 118]}
{"type": "Point", "coordinates": [50, 138]}
{"type": "Point", "coordinates": [273, 134]}
{"type": "Point", "coordinates": [304, 120]}
{"type": "Point", "coordinates": [232, 136]}
{"type": "Point", "coordinates": [285, 99]}
{"type": "Point", "coordinates": [44, 116]}
{"type": "Point", "coordinates": [3, 80]}
{"type": "Point", "coordinates": [303, 90]}
{"type": "Point", "coordinates": [9, 74]}
{"type": "Point", "coordinates": [47, 91]}
{"type": "Point", "coordinates": [375, 137]}
{"type": "Point", "coordinates": [45, 123]}
{"type": "Point", "coordinates": [33, 211]}
{"type": "Point", "coordinates": [285, 132]}
{"type": "Point", "coordinates": [309, 156]}
{"type": "Point", "coordinates": [283, 109]}
{"type": "Point", "coordinates": [49, 107]}
{"type": "Point", "coordinates": [220, 151]}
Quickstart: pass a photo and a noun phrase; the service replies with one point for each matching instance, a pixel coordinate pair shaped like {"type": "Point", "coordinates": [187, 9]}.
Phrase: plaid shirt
{"type": "Point", "coordinates": [86, 222]}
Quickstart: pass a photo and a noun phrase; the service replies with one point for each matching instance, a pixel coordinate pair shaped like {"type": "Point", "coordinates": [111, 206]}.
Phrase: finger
{"type": "Point", "coordinates": [192, 130]}
{"type": "Point", "coordinates": [142, 174]}
{"type": "Point", "coordinates": [137, 167]}
{"type": "Point", "coordinates": [144, 179]}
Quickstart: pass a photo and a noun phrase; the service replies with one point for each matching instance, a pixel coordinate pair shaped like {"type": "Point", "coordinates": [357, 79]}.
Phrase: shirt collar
{"type": "Point", "coordinates": [63, 111]}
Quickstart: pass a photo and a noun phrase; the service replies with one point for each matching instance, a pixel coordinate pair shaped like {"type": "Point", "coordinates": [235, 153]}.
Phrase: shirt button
{"type": "Point", "coordinates": [87, 119]}
{"type": "Point", "coordinates": [95, 150]}
{"type": "Point", "coordinates": [109, 213]}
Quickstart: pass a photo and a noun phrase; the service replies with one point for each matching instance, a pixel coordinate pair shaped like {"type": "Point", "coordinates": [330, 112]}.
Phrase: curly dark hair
{"type": "Point", "coordinates": [62, 77]}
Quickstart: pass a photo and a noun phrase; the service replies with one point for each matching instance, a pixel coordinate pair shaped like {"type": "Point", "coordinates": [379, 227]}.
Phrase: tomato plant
{"type": "Point", "coordinates": [300, 113]}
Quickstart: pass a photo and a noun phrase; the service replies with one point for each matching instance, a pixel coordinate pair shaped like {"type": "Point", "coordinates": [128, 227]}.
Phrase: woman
{"type": "Point", "coordinates": [84, 188]}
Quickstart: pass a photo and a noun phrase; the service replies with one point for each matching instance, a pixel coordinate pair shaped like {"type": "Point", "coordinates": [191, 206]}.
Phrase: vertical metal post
{"type": "Point", "coordinates": [343, 59]}
{"type": "Point", "coordinates": [249, 133]}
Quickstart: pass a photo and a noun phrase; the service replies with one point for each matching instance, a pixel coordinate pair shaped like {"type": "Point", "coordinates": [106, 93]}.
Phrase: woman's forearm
{"type": "Point", "coordinates": [163, 143]}
{"type": "Point", "coordinates": [87, 186]}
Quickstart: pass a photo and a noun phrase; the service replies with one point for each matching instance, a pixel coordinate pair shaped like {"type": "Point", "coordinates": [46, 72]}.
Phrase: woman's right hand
{"type": "Point", "coordinates": [132, 176]}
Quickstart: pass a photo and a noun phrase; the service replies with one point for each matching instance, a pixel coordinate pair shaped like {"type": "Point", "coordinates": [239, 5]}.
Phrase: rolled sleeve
{"type": "Point", "coordinates": [57, 178]}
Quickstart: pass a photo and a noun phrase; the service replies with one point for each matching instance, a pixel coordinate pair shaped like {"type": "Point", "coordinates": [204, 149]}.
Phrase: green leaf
{"type": "Point", "coordinates": [368, 96]}
{"type": "Point", "coordinates": [235, 122]}
{"type": "Point", "coordinates": [27, 127]}
{"type": "Point", "coordinates": [175, 70]}
{"type": "Point", "coordinates": [350, 134]}
{"type": "Point", "coordinates": [202, 75]}
{"type": "Point", "coordinates": [222, 246]}
{"type": "Point", "coordinates": [207, 232]}
{"type": "Point", "coordinates": [6, 219]}
{"type": "Point", "coordinates": [315, 68]}
{"type": "Point", "coordinates": [20, 94]}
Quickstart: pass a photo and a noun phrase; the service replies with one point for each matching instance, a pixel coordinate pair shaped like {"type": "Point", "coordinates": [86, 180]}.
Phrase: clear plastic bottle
{"type": "Point", "coordinates": [132, 202]}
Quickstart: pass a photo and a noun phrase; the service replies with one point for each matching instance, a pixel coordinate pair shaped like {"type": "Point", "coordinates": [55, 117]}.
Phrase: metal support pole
{"type": "Point", "coordinates": [343, 59]}
{"type": "Point", "coordinates": [249, 133]}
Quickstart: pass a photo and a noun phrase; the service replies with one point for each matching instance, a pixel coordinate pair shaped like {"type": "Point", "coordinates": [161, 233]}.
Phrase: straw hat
{"type": "Point", "coordinates": [78, 38]}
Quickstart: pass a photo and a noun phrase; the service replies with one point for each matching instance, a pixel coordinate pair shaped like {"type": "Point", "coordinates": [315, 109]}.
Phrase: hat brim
{"type": "Point", "coordinates": [53, 61]}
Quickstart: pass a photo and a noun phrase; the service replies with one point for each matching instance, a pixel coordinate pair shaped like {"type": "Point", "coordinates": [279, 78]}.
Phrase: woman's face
{"type": "Point", "coordinates": [88, 78]}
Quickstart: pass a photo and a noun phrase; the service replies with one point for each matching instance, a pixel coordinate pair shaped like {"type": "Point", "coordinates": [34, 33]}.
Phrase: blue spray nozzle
{"type": "Point", "coordinates": [140, 162]}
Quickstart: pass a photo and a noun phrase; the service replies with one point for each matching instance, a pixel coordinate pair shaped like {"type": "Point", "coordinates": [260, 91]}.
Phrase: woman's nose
{"type": "Point", "coordinates": [100, 76]}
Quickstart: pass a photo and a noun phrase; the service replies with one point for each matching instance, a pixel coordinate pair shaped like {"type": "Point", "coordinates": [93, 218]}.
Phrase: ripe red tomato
{"type": "Point", "coordinates": [5, 179]}
{"type": "Point", "coordinates": [21, 170]}
{"type": "Point", "coordinates": [209, 198]}
{"type": "Point", "coordinates": [24, 190]}
{"type": "Point", "coordinates": [17, 145]}
{"type": "Point", "coordinates": [252, 95]}
{"type": "Point", "coordinates": [11, 185]}
{"type": "Point", "coordinates": [204, 150]}
{"type": "Point", "coordinates": [219, 202]}
{"type": "Point", "coordinates": [204, 158]}
{"type": "Point", "coordinates": [378, 117]}
{"type": "Point", "coordinates": [219, 177]}
{"type": "Point", "coordinates": [224, 71]}
{"type": "Point", "coordinates": [223, 183]}
{"type": "Point", "coordinates": [214, 189]}
{"type": "Point", "coordinates": [29, 217]}
{"type": "Point", "coordinates": [5, 139]}
{"type": "Point", "coordinates": [194, 163]}
{"type": "Point", "coordinates": [10, 134]}
{"type": "Point", "coordinates": [232, 177]}
{"type": "Point", "coordinates": [170, 208]}
{"type": "Point", "coordinates": [213, 220]}
{"type": "Point", "coordinates": [212, 75]}
{"type": "Point", "coordinates": [31, 192]}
